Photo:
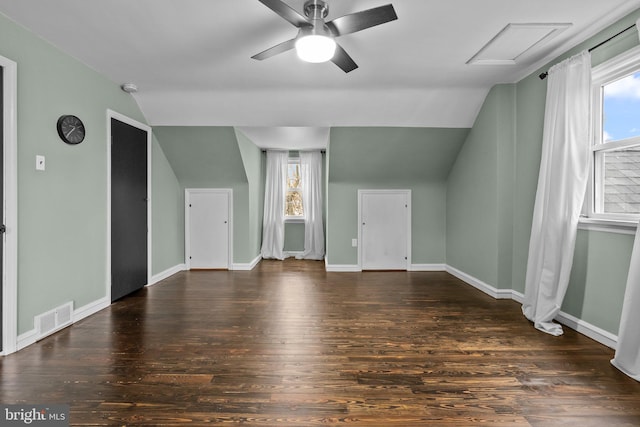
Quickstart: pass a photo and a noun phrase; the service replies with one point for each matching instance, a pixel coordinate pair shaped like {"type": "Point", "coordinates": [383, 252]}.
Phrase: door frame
{"type": "Point", "coordinates": [187, 222]}
{"type": "Point", "coordinates": [361, 194]}
{"type": "Point", "coordinates": [10, 207]}
{"type": "Point", "coordinates": [122, 118]}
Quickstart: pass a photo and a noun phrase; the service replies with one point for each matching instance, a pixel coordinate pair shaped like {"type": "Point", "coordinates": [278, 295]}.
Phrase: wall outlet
{"type": "Point", "coordinates": [39, 163]}
{"type": "Point", "coordinates": [354, 243]}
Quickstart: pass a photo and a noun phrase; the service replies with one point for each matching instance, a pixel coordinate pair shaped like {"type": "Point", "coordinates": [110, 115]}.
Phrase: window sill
{"type": "Point", "coordinates": [608, 225]}
{"type": "Point", "coordinates": [294, 220]}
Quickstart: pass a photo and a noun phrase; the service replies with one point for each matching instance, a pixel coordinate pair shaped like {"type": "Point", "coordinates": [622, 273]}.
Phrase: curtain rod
{"type": "Point", "coordinates": [546, 73]}
{"type": "Point", "coordinates": [322, 151]}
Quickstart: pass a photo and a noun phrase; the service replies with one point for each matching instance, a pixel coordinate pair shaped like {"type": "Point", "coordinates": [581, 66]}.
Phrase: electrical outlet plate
{"type": "Point", "coordinates": [40, 163]}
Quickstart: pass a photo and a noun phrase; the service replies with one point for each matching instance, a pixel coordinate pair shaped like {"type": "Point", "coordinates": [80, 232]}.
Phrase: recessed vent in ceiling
{"type": "Point", "coordinates": [514, 41]}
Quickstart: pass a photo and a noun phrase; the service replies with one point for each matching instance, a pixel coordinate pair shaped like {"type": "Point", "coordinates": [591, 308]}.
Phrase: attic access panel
{"type": "Point", "coordinates": [514, 41]}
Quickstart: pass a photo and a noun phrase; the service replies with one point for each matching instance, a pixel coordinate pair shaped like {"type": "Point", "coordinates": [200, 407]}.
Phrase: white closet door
{"type": "Point", "coordinates": [384, 230]}
{"type": "Point", "coordinates": [208, 231]}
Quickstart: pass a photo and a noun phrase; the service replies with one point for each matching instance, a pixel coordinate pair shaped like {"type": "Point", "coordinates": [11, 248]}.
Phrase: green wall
{"type": "Point", "coordinates": [473, 191]}
{"type": "Point", "coordinates": [491, 192]}
{"type": "Point", "coordinates": [418, 159]}
{"type": "Point", "coordinates": [479, 194]}
{"type": "Point", "coordinates": [254, 167]}
{"type": "Point", "coordinates": [294, 237]}
{"type": "Point", "coordinates": [62, 211]}
{"type": "Point", "coordinates": [211, 157]}
{"type": "Point", "coordinates": [601, 260]}
{"type": "Point", "coordinates": [598, 278]}
{"type": "Point", "coordinates": [167, 214]}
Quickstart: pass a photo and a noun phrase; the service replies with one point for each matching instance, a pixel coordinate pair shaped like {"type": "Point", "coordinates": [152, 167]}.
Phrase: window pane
{"type": "Point", "coordinates": [293, 176]}
{"type": "Point", "coordinates": [294, 204]}
{"type": "Point", "coordinates": [622, 181]}
{"type": "Point", "coordinates": [621, 109]}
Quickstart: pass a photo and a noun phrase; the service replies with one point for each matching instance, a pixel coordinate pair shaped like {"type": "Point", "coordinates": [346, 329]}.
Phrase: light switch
{"type": "Point", "coordinates": [354, 243]}
{"type": "Point", "coordinates": [39, 163]}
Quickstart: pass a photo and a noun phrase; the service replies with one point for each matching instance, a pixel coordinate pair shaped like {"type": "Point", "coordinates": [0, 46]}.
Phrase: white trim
{"type": "Point", "coordinates": [167, 273]}
{"type": "Point", "coordinates": [623, 64]}
{"type": "Point", "coordinates": [407, 193]}
{"type": "Point", "coordinates": [517, 296]}
{"type": "Point", "coordinates": [608, 72]}
{"type": "Point", "coordinates": [26, 339]}
{"type": "Point", "coordinates": [428, 267]}
{"type": "Point", "coordinates": [294, 219]}
{"type": "Point", "coordinates": [342, 268]}
{"type": "Point", "coordinates": [90, 309]}
{"type": "Point", "coordinates": [187, 223]}
{"type": "Point", "coordinates": [10, 207]}
{"type": "Point", "coordinates": [247, 266]}
{"type": "Point", "coordinates": [480, 285]}
{"type": "Point", "coordinates": [608, 226]}
{"type": "Point", "coordinates": [131, 122]}
{"type": "Point", "coordinates": [31, 337]}
{"type": "Point", "coordinates": [590, 31]}
{"type": "Point", "coordinates": [580, 326]}
{"type": "Point", "coordinates": [589, 330]}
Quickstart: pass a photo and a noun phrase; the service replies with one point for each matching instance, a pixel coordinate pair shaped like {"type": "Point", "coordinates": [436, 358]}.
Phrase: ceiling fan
{"type": "Point", "coordinates": [315, 41]}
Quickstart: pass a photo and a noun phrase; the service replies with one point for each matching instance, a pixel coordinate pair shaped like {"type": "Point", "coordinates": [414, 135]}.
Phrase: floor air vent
{"type": "Point", "coordinates": [54, 320]}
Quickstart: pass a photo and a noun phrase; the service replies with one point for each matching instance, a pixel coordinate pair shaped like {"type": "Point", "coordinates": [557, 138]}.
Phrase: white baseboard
{"type": "Point", "coordinates": [247, 266]}
{"type": "Point", "coordinates": [600, 335]}
{"type": "Point", "coordinates": [344, 268]}
{"type": "Point", "coordinates": [585, 328]}
{"type": "Point", "coordinates": [517, 296]}
{"type": "Point", "coordinates": [31, 336]}
{"type": "Point", "coordinates": [91, 308]}
{"type": "Point", "coordinates": [167, 273]}
{"type": "Point", "coordinates": [428, 267]}
{"type": "Point", "coordinates": [480, 285]}
{"type": "Point", "coordinates": [353, 268]}
{"type": "Point", "coordinates": [26, 339]}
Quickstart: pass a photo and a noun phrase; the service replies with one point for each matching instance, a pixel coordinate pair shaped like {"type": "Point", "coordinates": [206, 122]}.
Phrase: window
{"type": "Point", "coordinates": [615, 173]}
{"type": "Point", "coordinates": [294, 207]}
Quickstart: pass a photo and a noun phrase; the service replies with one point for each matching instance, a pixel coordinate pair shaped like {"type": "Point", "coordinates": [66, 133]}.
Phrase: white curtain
{"type": "Point", "coordinates": [564, 170]}
{"type": "Point", "coordinates": [627, 357]}
{"type": "Point", "coordinates": [274, 199]}
{"type": "Point", "coordinates": [311, 171]}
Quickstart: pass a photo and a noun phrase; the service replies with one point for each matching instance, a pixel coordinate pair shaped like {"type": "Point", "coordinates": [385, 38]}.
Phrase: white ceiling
{"type": "Point", "coordinates": [288, 138]}
{"type": "Point", "coordinates": [191, 59]}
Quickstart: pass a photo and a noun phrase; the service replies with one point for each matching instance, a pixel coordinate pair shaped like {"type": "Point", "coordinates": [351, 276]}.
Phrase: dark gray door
{"type": "Point", "coordinates": [129, 226]}
{"type": "Point", "coordinates": [1, 202]}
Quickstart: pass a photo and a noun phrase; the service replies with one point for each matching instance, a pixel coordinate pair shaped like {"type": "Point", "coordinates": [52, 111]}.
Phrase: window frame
{"type": "Point", "coordinates": [608, 72]}
{"type": "Point", "coordinates": [294, 218]}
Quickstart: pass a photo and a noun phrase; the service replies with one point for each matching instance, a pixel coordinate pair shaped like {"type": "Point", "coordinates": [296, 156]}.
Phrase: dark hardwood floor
{"type": "Point", "coordinates": [288, 344]}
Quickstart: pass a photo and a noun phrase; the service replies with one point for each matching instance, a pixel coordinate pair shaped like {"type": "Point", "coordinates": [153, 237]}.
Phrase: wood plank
{"type": "Point", "coordinates": [288, 344]}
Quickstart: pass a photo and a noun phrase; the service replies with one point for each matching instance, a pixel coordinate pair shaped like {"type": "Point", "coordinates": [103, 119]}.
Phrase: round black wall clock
{"type": "Point", "coordinates": [70, 129]}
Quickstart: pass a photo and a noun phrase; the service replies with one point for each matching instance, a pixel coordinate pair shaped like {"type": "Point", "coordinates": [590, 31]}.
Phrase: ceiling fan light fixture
{"type": "Point", "coordinates": [315, 48]}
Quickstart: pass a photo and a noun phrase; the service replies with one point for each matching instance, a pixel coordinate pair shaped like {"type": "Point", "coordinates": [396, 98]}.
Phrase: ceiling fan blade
{"type": "Point", "coordinates": [359, 21]}
{"type": "Point", "coordinates": [342, 59]}
{"type": "Point", "coordinates": [273, 51]}
{"type": "Point", "coordinates": [286, 12]}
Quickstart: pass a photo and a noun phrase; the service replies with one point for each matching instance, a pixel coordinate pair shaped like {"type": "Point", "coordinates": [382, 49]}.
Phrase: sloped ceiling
{"type": "Point", "coordinates": [200, 156]}
{"type": "Point", "coordinates": [191, 59]}
{"type": "Point", "coordinates": [402, 154]}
